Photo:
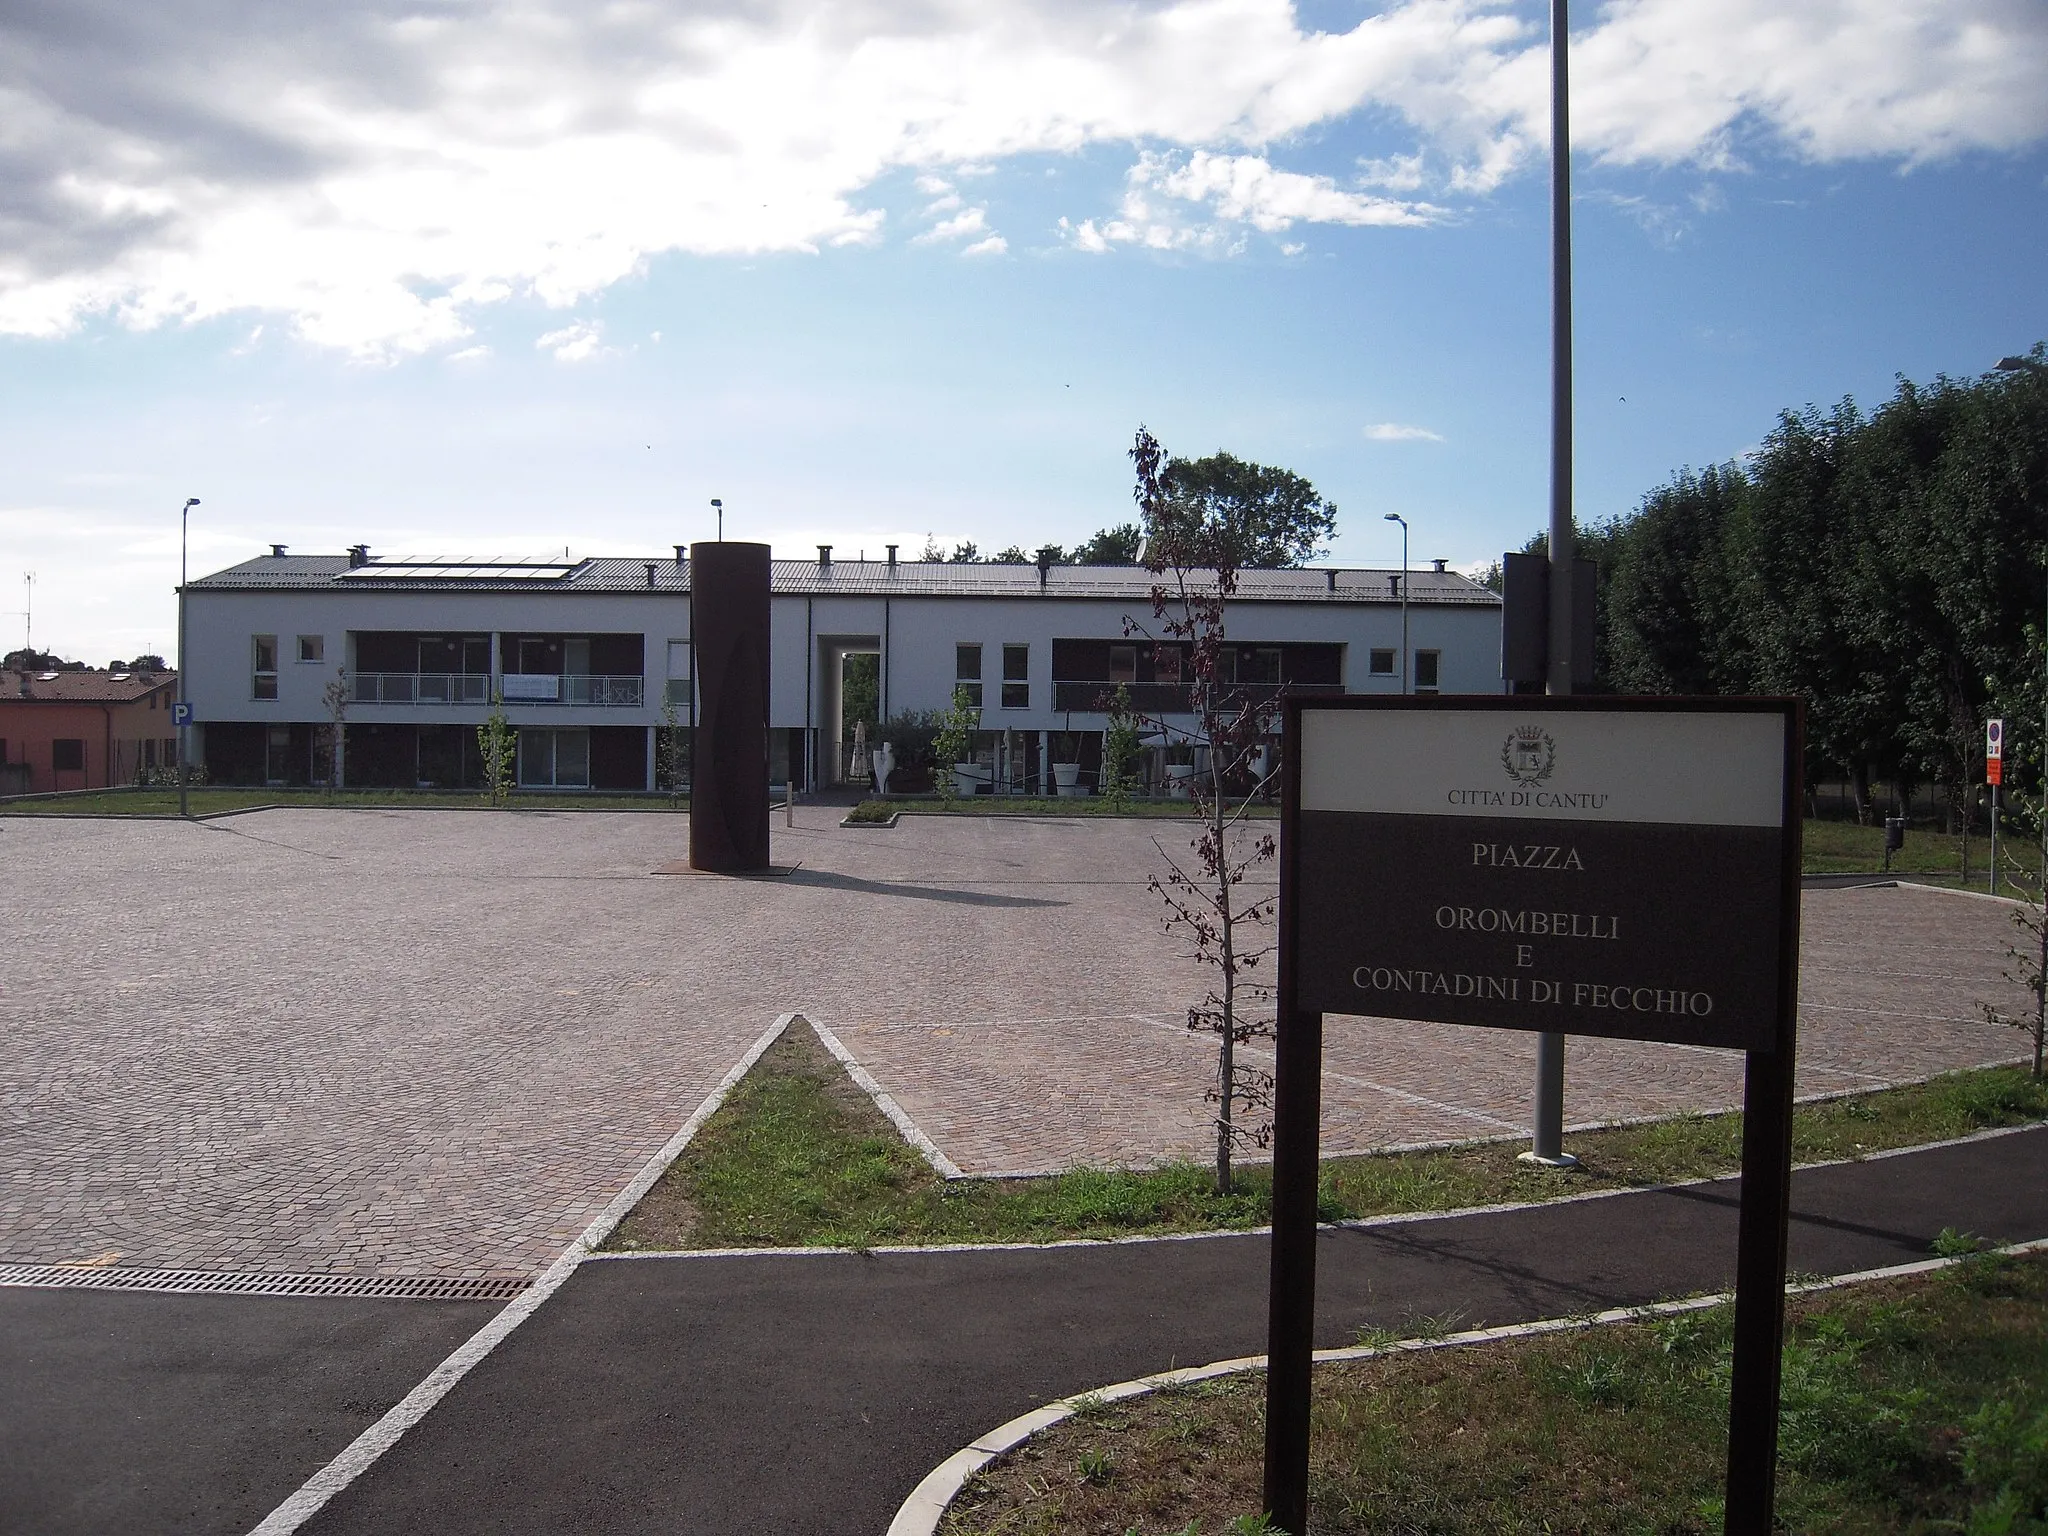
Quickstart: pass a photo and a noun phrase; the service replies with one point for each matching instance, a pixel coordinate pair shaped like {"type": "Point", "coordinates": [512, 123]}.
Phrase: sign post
{"type": "Point", "coordinates": [1994, 775]}
{"type": "Point", "coordinates": [1627, 868]}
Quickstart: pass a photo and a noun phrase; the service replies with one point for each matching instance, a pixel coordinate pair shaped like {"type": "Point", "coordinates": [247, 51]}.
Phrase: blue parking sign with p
{"type": "Point", "coordinates": [181, 714]}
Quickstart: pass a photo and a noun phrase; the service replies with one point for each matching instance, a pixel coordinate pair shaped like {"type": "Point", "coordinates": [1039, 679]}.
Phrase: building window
{"type": "Point", "coordinates": [1123, 663]}
{"type": "Point", "coordinates": [312, 647]}
{"type": "Point", "coordinates": [967, 672]}
{"type": "Point", "coordinates": [551, 758]}
{"type": "Point", "coordinates": [679, 673]}
{"type": "Point", "coordinates": [1425, 671]}
{"type": "Point", "coordinates": [1240, 664]}
{"type": "Point", "coordinates": [264, 683]}
{"type": "Point", "coordinates": [67, 754]}
{"type": "Point", "coordinates": [1016, 677]}
{"type": "Point", "coordinates": [1380, 663]}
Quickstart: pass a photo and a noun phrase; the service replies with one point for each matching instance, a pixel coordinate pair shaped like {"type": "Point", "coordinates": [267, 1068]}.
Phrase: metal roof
{"type": "Point", "coordinates": [843, 578]}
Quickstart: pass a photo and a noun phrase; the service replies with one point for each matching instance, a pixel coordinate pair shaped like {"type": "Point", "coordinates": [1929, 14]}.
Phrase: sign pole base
{"type": "Point", "coordinates": [1290, 1328]}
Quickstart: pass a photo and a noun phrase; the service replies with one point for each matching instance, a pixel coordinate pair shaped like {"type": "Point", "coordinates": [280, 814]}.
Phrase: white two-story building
{"type": "Point", "coordinates": [584, 653]}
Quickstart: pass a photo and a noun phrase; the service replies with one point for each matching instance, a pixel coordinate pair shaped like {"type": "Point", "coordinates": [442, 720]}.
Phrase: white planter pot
{"type": "Point", "coordinates": [1066, 775]}
{"type": "Point", "coordinates": [968, 778]}
{"type": "Point", "coordinates": [1178, 776]}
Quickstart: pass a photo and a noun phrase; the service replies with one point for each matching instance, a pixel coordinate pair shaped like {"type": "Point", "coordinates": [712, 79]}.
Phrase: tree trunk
{"type": "Point", "coordinates": [1861, 788]}
{"type": "Point", "coordinates": [1227, 1057]}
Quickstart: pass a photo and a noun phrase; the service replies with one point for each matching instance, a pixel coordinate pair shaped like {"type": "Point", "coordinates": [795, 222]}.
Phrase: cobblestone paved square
{"type": "Point", "coordinates": [440, 1041]}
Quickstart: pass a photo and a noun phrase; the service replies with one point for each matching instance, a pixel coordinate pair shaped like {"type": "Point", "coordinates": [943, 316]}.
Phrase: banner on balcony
{"type": "Point", "coordinates": [532, 687]}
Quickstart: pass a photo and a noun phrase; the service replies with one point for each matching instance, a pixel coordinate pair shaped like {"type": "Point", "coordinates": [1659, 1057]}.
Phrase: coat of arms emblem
{"type": "Point", "coordinates": [1529, 754]}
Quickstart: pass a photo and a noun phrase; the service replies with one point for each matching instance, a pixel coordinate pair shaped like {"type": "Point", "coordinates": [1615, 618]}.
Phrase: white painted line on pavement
{"type": "Point", "coordinates": [357, 1457]}
{"type": "Point", "coordinates": [920, 1514]}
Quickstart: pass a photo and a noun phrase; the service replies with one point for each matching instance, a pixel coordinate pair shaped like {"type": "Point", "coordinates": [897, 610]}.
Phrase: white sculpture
{"type": "Point", "coordinates": [884, 759]}
{"type": "Point", "coordinates": [857, 768]}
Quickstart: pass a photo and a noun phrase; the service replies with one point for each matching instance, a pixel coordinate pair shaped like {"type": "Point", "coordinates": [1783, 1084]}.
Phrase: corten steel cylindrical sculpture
{"type": "Point", "coordinates": [729, 778]}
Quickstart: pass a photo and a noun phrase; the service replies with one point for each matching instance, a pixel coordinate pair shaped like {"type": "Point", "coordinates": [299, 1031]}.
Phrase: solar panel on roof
{"type": "Point", "coordinates": [459, 570]}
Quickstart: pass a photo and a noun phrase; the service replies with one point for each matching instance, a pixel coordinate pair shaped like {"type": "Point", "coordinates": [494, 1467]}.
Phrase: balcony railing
{"type": "Point", "coordinates": [421, 688]}
{"type": "Point", "coordinates": [573, 688]}
{"type": "Point", "coordinates": [1167, 698]}
{"type": "Point", "coordinates": [515, 688]}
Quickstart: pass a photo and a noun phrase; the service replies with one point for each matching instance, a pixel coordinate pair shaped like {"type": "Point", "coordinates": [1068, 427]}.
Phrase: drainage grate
{"type": "Point", "coordinates": [198, 1282]}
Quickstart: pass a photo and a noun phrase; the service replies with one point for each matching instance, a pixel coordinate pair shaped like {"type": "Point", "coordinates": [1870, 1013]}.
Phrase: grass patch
{"type": "Point", "coordinates": [1910, 1406]}
{"type": "Point", "coordinates": [799, 1156]}
{"type": "Point", "coordinates": [211, 801]}
{"type": "Point", "coordinates": [871, 813]}
{"type": "Point", "coordinates": [1834, 847]}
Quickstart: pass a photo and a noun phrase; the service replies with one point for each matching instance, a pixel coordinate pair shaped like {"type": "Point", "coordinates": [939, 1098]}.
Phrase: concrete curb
{"type": "Point", "coordinates": [1347, 1224]}
{"type": "Point", "coordinates": [942, 1165]}
{"type": "Point", "coordinates": [1950, 890]}
{"type": "Point", "coordinates": [357, 1457]}
{"type": "Point", "coordinates": [920, 1514]}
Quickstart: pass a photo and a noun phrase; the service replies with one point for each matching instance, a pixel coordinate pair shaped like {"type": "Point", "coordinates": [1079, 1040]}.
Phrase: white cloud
{"type": "Point", "coordinates": [375, 171]}
{"type": "Point", "coordinates": [575, 343]}
{"type": "Point", "coordinates": [971, 221]}
{"type": "Point", "coordinates": [1248, 188]}
{"type": "Point", "coordinates": [994, 245]}
{"type": "Point", "coordinates": [1400, 432]}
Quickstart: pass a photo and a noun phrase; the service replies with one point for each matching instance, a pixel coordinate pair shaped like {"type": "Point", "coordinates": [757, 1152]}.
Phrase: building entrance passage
{"type": "Point", "coordinates": [850, 693]}
{"type": "Point", "coordinates": [1618, 867]}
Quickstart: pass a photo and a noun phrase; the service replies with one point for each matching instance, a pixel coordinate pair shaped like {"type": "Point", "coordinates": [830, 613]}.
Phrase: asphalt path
{"type": "Point", "coordinates": [809, 1393]}
{"type": "Point", "coordinates": [796, 1394]}
{"type": "Point", "coordinates": [127, 1412]}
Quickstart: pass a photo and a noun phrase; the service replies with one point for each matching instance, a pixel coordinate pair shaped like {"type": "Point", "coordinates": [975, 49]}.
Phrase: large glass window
{"type": "Point", "coordinates": [1016, 677]}
{"type": "Point", "coordinates": [1123, 663]}
{"type": "Point", "coordinates": [554, 757]}
{"type": "Point", "coordinates": [967, 672]}
{"type": "Point", "coordinates": [263, 681]}
{"type": "Point", "coordinates": [679, 673]}
{"type": "Point", "coordinates": [1426, 671]}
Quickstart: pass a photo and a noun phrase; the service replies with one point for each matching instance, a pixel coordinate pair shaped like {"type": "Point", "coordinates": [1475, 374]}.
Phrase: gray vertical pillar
{"type": "Point", "coordinates": [729, 632]}
{"type": "Point", "coordinates": [1548, 1141]}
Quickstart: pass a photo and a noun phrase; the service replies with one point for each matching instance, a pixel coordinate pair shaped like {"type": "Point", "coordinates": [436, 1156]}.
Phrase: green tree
{"type": "Point", "coordinates": [672, 751]}
{"type": "Point", "coordinates": [1120, 749]}
{"type": "Point", "coordinates": [1111, 546]}
{"type": "Point", "coordinates": [952, 742]}
{"type": "Point", "coordinates": [498, 744]}
{"type": "Point", "coordinates": [1244, 515]}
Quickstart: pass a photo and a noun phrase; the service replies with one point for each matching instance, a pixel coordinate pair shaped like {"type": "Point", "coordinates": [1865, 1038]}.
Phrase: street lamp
{"type": "Point", "coordinates": [719, 507]}
{"type": "Point", "coordinates": [1395, 517]}
{"type": "Point", "coordinates": [184, 670]}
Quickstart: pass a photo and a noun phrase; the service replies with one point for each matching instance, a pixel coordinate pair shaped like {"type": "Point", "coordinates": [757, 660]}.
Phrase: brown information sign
{"type": "Point", "coordinates": [1586, 866]}
{"type": "Point", "coordinates": [1583, 866]}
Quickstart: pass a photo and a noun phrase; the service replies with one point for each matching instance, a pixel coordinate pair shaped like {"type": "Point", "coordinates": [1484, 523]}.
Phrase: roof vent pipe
{"type": "Point", "coordinates": [1440, 565]}
{"type": "Point", "coordinates": [1394, 585]}
{"type": "Point", "coordinates": [679, 553]}
{"type": "Point", "coordinates": [1330, 579]}
{"type": "Point", "coordinates": [277, 551]}
{"type": "Point", "coordinates": [824, 557]}
{"type": "Point", "coordinates": [650, 564]}
{"type": "Point", "coordinates": [358, 556]}
{"type": "Point", "coordinates": [892, 557]}
{"type": "Point", "coordinates": [1044, 566]}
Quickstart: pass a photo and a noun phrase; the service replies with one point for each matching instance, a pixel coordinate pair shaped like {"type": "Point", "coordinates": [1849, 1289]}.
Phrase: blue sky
{"type": "Point", "coordinates": [475, 279]}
